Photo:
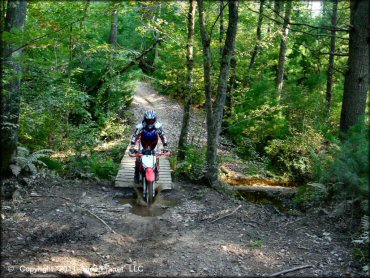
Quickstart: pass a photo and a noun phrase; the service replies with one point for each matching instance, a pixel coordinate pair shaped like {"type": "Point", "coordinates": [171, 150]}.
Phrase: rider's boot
{"type": "Point", "coordinates": [136, 174]}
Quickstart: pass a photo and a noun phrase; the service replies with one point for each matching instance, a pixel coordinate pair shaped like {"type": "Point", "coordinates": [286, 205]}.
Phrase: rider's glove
{"type": "Point", "coordinates": [165, 149]}
{"type": "Point", "coordinates": [132, 150]}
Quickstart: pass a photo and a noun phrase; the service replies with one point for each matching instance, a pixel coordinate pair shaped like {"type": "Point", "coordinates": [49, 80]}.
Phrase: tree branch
{"type": "Point", "coordinates": [329, 28]}
{"type": "Point", "coordinates": [290, 270]}
{"type": "Point", "coordinates": [101, 81]}
{"type": "Point", "coordinates": [226, 215]}
{"type": "Point", "coordinates": [218, 16]}
{"type": "Point", "coordinates": [295, 30]}
{"type": "Point", "coordinates": [43, 36]}
{"type": "Point", "coordinates": [335, 54]}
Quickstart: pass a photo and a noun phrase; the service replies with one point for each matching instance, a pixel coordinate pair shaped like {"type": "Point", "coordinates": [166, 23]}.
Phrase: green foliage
{"type": "Point", "coordinates": [292, 155]}
{"type": "Point", "coordinates": [313, 194]}
{"type": "Point", "coordinates": [345, 166]}
{"type": "Point", "coordinates": [114, 128]}
{"type": "Point", "coordinates": [52, 164]}
{"type": "Point", "coordinates": [362, 241]}
{"type": "Point", "coordinates": [26, 162]}
{"type": "Point", "coordinates": [96, 165]}
{"type": "Point", "coordinates": [257, 243]}
{"type": "Point", "coordinates": [193, 166]}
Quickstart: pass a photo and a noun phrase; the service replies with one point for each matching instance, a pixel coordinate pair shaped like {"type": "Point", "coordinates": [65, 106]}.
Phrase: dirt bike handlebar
{"type": "Point", "coordinates": [139, 154]}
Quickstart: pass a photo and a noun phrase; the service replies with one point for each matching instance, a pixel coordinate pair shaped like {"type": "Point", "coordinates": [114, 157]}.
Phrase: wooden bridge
{"type": "Point", "coordinates": [125, 176]}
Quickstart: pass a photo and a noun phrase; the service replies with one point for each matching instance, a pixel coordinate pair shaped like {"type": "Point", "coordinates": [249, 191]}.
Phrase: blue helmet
{"type": "Point", "coordinates": [150, 118]}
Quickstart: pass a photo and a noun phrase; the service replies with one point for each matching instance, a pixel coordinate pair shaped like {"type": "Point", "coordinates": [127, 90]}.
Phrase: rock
{"type": "Point", "coordinates": [156, 255]}
{"type": "Point", "coordinates": [2, 216]}
{"type": "Point", "coordinates": [86, 273]}
{"type": "Point", "coordinates": [129, 261]}
{"type": "Point", "coordinates": [192, 270]}
{"type": "Point", "coordinates": [94, 248]}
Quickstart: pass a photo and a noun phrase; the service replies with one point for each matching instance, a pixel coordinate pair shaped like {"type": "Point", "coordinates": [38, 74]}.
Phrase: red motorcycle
{"type": "Point", "coordinates": [149, 164]}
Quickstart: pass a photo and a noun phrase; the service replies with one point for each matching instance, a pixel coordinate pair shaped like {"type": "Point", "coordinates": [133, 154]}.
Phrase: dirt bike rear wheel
{"type": "Point", "coordinates": [149, 192]}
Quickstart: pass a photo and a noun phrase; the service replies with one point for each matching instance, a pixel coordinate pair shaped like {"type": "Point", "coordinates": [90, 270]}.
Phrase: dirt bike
{"type": "Point", "coordinates": [148, 166]}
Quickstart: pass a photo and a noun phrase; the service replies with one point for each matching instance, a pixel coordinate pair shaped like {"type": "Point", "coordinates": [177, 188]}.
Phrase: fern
{"type": "Point", "coordinates": [364, 237]}
{"type": "Point", "coordinates": [26, 161]}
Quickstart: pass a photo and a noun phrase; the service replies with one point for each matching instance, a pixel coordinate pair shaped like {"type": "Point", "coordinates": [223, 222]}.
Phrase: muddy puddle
{"type": "Point", "coordinates": [265, 191]}
{"type": "Point", "coordinates": [139, 207]}
{"type": "Point", "coordinates": [264, 199]}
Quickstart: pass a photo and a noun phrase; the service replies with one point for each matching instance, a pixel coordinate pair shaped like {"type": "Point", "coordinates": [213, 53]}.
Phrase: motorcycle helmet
{"type": "Point", "coordinates": [150, 118]}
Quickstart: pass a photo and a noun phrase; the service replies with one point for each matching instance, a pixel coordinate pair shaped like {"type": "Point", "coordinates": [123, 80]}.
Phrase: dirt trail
{"type": "Point", "coordinates": [169, 114]}
{"type": "Point", "coordinates": [190, 238]}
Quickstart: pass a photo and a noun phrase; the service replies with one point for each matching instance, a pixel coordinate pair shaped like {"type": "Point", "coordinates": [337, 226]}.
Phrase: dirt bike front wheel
{"type": "Point", "coordinates": [149, 192]}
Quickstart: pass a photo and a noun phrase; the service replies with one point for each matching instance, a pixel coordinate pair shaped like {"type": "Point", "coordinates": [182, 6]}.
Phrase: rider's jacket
{"type": "Point", "coordinates": [149, 137]}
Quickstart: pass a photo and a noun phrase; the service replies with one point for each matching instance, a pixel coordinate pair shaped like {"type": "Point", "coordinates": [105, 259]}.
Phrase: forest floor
{"type": "Point", "coordinates": [59, 226]}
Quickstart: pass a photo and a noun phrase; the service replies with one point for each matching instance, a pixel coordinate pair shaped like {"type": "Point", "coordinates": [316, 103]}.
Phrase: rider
{"type": "Point", "coordinates": [147, 132]}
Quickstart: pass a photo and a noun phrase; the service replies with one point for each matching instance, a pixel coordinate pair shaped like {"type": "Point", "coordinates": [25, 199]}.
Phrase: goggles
{"type": "Point", "coordinates": [150, 121]}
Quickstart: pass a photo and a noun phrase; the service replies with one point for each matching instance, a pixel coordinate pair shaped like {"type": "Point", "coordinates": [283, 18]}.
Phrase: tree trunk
{"type": "Point", "coordinates": [356, 83]}
{"type": "Point", "coordinates": [215, 112]}
{"type": "Point", "coordinates": [156, 36]}
{"type": "Point", "coordinates": [258, 43]}
{"type": "Point", "coordinates": [278, 9]}
{"type": "Point", "coordinates": [230, 91]}
{"type": "Point", "coordinates": [283, 48]}
{"type": "Point", "coordinates": [222, 28]}
{"type": "Point", "coordinates": [329, 82]}
{"type": "Point", "coordinates": [190, 65]}
{"type": "Point", "coordinates": [114, 27]}
{"type": "Point", "coordinates": [206, 42]}
{"type": "Point", "coordinates": [11, 91]}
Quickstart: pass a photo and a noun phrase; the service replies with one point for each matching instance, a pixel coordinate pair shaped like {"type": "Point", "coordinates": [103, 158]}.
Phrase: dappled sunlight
{"type": "Point", "coordinates": [261, 255]}
{"type": "Point", "coordinates": [106, 146]}
{"type": "Point", "coordinates": [64, 154]}
{"type": "Point", "coordinates": [117, 238]}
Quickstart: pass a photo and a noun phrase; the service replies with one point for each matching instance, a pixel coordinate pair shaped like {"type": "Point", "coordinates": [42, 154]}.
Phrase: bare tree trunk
{"type": "Point", "coordinates": [222, 27]}
{"type": "Point", "coordinates": [230, 91]}
{"type": "Point", "coordinates": [283, 48]}
{"type": "Point", "coordinates": [258, 43]}
{"type": "Point", "coordinates": [11, 90]}
{"type": "Point", "coordinates": [156, 36]}
{"type": "Point", "coordinates": [215, 112]}
{"type": "Point", "coordinates": [278, 9]}
{"type": "Point", "coordinates": [113, 36]}
{"type": "Point", "coordinates": [329, 82]}
{"type": "Point", "coordinates": [206, 42]}
{"type": "Point", "coordinates": [356, 83]}
{"type": "Point", "coordinates": [183, 139]}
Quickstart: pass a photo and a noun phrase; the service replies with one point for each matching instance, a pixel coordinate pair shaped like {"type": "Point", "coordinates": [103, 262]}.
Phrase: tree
{"type": "Point", "coordinates": [190, 64]}
{"type": "Point", "coordinates": [258, 43]}
{"type": "Point", "coordinates": [230, 91]}
{"type": "Point", "coordinates": [215, 110]}
{"type": "Point", "coordinates": [222, 28]}
{"type": "Point", "coordinates": [283, 47]}
{"type": "Point", "coordinates": [329, 82]}
{"type": "Point", "coordinates": [11, 89]}
{"type": "Point", "coordinates": [114, 27]}
{"type": "Point", "coordinates": [356, 83]}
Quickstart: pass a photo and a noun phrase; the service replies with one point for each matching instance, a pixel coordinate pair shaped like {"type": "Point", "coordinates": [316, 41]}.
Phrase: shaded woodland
{"type": "Point", "coordinates": [285, 82]}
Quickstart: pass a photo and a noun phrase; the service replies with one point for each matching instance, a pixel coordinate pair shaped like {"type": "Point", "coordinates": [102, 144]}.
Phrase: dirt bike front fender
{"type": "Point", "coordinates": [149, 174]}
